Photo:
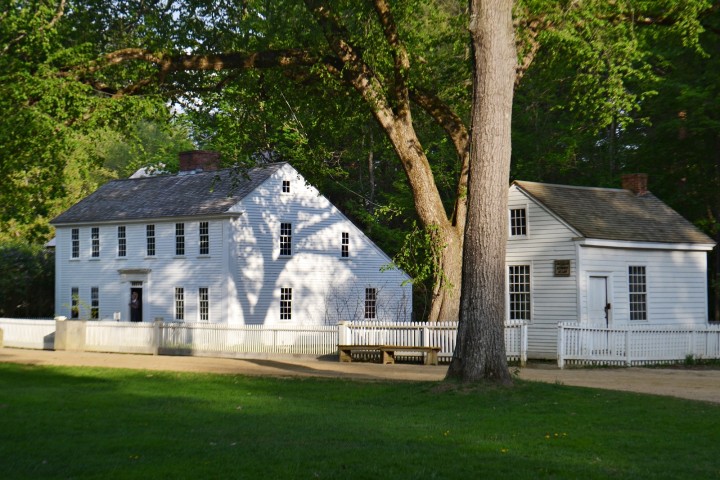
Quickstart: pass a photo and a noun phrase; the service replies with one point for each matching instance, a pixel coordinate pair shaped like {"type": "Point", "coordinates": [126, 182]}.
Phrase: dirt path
{"type": "Point", "coordinates": [691, 384]}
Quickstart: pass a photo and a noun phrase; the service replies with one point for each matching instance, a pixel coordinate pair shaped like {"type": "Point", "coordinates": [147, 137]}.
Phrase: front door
{"type": "Point", "coordinates": [136, 304]}
{"type": "Point", "coordinates": [598, 305]}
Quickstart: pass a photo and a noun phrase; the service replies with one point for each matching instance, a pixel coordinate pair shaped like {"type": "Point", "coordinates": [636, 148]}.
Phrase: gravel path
{"type": "Point", "coordinates": [684, 383]}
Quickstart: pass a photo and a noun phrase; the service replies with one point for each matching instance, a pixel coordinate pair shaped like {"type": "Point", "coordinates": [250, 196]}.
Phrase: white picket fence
{"type": "Point", "coordinates": [220, 339]}
{"type": "Point", "coordinates": [35, 333]}
{"type": "Point", "coordinates": [441, 334]}
{"type": "Point", "coordinates": [225, 340]}
{"type": "Point", "coordinates": [577, 344]}
{"type": "Point", "coordinates": [583, 345]}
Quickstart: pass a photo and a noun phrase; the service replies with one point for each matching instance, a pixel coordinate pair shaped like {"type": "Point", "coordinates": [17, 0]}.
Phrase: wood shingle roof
{"type": "Point", "coordinates": [615, 214]}
{"type": "Point", "coordinates": [163, 196]}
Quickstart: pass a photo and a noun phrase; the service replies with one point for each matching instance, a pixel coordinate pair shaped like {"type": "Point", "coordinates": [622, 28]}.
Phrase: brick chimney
{"type": "Point", "coordinates": [637, 183]}
{"type": "Point", "coordinates": [199, 161]}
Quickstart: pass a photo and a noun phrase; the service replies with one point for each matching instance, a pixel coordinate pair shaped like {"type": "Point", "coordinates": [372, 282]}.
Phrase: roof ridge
{"type": "Point", "coordinates": [579, 187]}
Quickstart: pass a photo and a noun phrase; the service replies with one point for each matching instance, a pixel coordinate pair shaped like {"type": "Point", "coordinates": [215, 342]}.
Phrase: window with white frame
{"type": "Point", "coordinates": [94, 303]}
{"type": "Point", "coordinates": [637, 284]}
{"type": "Point", "coordinates": [286, 304]}
{"type": "Point", "coordinates": [519, 292]}
{"type": "Point", "coordinates": [150, 240]}
{"type": "Point", "coordinates": [204, 304]}
{"type": "Point", "coordinates": [74, 302]}
{"type": "Point", "coordinates": [370, 303]}
{"type": "Point", "coordinates": [345, 246]}
{"type": "Point", "coordinates": [179, 239]}
{"type": "Point", "coordinates": [75, 236]}
{"type": "Point", "coordinates": [179, 303]}
{"type": "Point", "coordinates": [95, 242]}
{"type": "Point", "coordinates": [204, 238]}
{"type": "Point", "coordinates": [286, 239]}
{"type": "Point", "coordinates": [122, 241]}
{"type": "Point", "coordinates": [286, 186]}
{"type": "Point", "coordinates": [518, 222]}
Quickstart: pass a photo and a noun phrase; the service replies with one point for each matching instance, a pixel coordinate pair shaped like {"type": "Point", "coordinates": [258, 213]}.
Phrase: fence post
{"type": "Point", "coordinates": [523, 343]}
{"type": "Point", "coordinates": [343, 333]}
{"type": "Point", "coordinates": [157, 337]}
{"type": "Point", "coordinates": [628, 345]}
{"type": "Point", "coordinates": [561, 346]}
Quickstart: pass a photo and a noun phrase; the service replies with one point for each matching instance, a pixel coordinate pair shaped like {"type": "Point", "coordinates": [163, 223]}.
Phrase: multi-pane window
{"type": "Point", "coordinates": [74, 302]}
{"type": "Point", "coordinates": [286, 304]}
{"type": "Point", "coordinates": [179, 303]}
{"type": "Point", "coordinates": [345, 246]}
{"type": "Point", "coordinates": [150, 240]}
{"type": "Point", "coordinates": [179, 239]}
{"type": "Point", "coordinates": [122, 242]}
{"type": "Point", "coordinates": [371, 303]}
{"type": "Point", "coordinates": [286, 186]}
{"type": "Point", "coordinates": [204, 304]}
{"type": "Point", "coordinates": [94, 303]}
{"type": "Point", "coordinates": [637, 283]}
{"type": "Point", "coordinates": [518, 222]}
{"type": "Point", "coordinates": [95, 241]}
{"type": "Point", "coordinates": [75, 236]}
{"type": "Point", "coordinates": [286, 239]}
{"type": "Point", "coordinates": [519, 290]}
{"type": "Point", "coordinates": [204, 238]}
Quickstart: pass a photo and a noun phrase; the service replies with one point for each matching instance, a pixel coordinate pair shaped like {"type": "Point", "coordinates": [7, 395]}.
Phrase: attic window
{"type": "Point", "coordinates": [286, 186]}
{"type": "Point", "coordinates": [518, 222]}
{"type": "Point", "coordinates": [345, 247]}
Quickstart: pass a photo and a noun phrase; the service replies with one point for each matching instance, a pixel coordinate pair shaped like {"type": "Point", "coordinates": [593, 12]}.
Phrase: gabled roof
{"type": "Point", "coordinates": [615, 214]}
{"type": "Point", "coordinates": [163, 196]}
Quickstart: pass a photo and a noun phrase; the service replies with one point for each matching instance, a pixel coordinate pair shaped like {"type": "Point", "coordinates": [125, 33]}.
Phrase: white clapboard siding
{"type": "Point", "coordinates": [325, 286]}
{"type": "Point", "coordinates": [553, 298]}
{"type": "Point", "coordinates": [676, 284]}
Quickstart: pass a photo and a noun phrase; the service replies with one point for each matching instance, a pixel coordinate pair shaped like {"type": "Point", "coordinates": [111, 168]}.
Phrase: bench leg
{"type": "Point", "coordinates": [431, 358]}
{"type": "Point", "coordinates": [388, 356]}
{"type": "Point", "coordinates": [345, 355]}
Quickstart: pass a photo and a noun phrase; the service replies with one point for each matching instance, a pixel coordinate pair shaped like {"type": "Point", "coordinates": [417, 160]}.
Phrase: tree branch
{"type": "Point", "coordinates": [399, 53]}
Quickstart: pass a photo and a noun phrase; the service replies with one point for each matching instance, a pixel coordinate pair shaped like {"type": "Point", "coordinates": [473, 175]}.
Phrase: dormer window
{"type": "Point", "coordinates": [286, 186]}
{"type": "Point", "coordinates": [518, 222]}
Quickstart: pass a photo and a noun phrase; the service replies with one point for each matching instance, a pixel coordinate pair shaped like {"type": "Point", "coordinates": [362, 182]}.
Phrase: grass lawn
{"type": "Point", "coordinates": [62, 422]}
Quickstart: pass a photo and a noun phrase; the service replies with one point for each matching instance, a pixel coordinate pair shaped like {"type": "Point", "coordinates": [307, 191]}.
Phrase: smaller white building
{"type": "Point", "coordinates": [209, 245]}
{"type": "Point", "coordinates": [602, 257]}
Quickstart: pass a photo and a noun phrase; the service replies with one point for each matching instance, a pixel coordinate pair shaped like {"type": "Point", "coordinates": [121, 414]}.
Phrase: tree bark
{"type": "Point", "coordinates": [480, 351]}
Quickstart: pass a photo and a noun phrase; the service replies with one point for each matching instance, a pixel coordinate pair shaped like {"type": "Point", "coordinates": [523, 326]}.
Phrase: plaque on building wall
{"type": "Point", "coordinates": [562, 268]}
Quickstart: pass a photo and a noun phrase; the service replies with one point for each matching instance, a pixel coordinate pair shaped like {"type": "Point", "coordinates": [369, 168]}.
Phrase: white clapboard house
{"type": "Point", "coordinates": [602, 257]}
{"type": "Point", "coordinates": [211, 245]}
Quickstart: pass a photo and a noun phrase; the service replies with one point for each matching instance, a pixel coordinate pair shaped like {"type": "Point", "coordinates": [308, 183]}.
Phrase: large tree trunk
{"type": "Point", "coordinates": [480, 351]}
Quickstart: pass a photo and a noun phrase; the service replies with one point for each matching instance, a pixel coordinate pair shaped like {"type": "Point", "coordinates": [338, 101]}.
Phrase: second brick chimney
{"type": "Point", "coordinates": [199, 161]}
{"type": "Point", "coordinates": [636, 183]}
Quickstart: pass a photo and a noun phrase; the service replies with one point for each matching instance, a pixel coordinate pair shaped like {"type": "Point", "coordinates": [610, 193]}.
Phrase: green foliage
{"type": "Point", "coordinates": [141, 424]}
{"type": "Point", "coordinates": [27, 284]}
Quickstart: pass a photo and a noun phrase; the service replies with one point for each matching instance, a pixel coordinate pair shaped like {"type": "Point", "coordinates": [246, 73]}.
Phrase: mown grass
{"type": "Point", "coordinates": [61, 422]}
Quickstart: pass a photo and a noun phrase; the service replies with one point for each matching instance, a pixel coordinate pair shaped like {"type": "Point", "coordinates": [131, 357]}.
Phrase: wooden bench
{"type": "Point", "coordinates": [387, 352]}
